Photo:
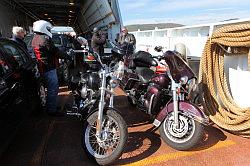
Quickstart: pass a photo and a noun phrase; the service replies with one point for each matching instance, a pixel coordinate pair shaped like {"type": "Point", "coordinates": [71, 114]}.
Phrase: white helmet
{"type": "Point", "coordinates": [42, 26]}
{"type": "Point", "coordinates": [82, 40]}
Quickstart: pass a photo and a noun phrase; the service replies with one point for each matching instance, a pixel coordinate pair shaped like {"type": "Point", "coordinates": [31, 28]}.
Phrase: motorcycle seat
{"type": "Point", "coordinates": [145, 74]}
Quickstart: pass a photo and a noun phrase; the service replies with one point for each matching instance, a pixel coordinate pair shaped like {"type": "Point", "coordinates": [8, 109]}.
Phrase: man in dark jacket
{"type": "Point", "coordinates": [126, 38]}
{"type": "Point", "coordinates": [48, 56]}
{"type": "Point", "coordinates": [18, 36]}
{"type": "Point", "coordinates": [98, 40]}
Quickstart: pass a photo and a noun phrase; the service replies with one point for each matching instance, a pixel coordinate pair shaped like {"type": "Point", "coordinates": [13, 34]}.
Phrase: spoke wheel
{"type": "Point", "coordinates": [109, 146]}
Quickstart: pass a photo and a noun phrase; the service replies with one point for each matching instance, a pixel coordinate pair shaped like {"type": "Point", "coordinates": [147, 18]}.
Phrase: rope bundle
{"type": "Point", "coordinates": [218, 103]}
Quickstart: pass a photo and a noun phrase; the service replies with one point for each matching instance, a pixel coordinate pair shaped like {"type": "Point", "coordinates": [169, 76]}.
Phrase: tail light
{"type": "Point", "coordinates": [90, 57]}
{"type": "Point", "coordinates": [161, 69]}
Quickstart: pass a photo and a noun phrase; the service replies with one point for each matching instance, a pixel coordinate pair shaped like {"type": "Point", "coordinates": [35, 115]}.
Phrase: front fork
{"type": "Point", "coordinates": [175, 102]}
{"type": "Point", "coordinates": [101, 105]}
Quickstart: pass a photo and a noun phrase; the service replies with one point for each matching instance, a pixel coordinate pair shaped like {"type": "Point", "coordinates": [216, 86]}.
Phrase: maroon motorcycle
{"type": "Point", "coordinates": [165, 97]}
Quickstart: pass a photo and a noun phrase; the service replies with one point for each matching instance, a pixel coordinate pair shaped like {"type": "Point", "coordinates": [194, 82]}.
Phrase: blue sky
{"type": "Point", "coordinates": [187, 12]}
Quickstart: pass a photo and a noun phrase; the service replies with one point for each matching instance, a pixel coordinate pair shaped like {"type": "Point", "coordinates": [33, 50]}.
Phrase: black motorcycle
{"type": "Point", "coordinates": [104, 130]}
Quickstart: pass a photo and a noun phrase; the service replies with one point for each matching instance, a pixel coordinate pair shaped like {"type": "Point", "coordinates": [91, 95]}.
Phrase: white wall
{"type": "Point", "coordinates": [238, 75]}
{"type": "Point", "coordinates": [194, 38]}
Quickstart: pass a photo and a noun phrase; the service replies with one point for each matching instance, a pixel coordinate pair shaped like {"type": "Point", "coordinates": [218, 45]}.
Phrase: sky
{"type": "Point", "coordinates": [186, 12]}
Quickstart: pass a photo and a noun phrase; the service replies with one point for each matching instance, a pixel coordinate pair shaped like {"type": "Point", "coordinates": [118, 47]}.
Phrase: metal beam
{"type": "Point", "coordinates": [101, 19]}
{"type": "Point", "coordinates": [14, 3]}
{"type": "Point", "coordinates": [49, 2]}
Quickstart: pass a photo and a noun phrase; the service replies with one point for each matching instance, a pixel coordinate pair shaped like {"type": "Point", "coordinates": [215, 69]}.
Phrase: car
{"type": "Point", "coordinates": [18, 70]}
{"type": "Point", "coordinates": [64, 43]}
{"type": "Point", "coordinates": [18, 86]}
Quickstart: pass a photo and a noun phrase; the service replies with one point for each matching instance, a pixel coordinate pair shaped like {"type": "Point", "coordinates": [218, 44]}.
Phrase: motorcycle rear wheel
{"type": "Point", "coordinates": [114, 134]}
{"type": "Point", "coordinates": [188, 136]}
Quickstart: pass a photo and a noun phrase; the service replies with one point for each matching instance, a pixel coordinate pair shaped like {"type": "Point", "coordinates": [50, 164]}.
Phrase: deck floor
{"type": "Point", "coordinates": [45, 141]}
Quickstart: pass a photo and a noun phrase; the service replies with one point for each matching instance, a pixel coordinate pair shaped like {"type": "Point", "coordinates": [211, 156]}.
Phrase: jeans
{"type": "Point", "coordinates": [53, 89]}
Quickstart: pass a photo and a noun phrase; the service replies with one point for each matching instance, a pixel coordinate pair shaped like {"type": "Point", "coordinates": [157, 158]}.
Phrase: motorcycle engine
{"type": "Point", "coordinates": [155, 98]}
{"type": "Point", "coordinates": [89, 84]}
{"type": "Point", "coordinates": [92, 81]}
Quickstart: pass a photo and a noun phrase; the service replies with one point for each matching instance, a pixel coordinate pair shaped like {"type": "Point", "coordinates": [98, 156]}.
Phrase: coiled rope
{"type": "Point", "coordinates": [218, 102]}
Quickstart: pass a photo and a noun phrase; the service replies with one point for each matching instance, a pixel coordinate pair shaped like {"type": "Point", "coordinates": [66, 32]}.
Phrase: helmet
{"type": "Point", "coordinates": [96, 29]}
{"type": "Point", "coordinates": [82, 40]}
{"type": "Point", "coordinates": [44, 27]}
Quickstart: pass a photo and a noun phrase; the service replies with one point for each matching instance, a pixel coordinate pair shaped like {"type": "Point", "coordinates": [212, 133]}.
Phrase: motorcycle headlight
{"type": "Point", "coordinates": [191, 85]}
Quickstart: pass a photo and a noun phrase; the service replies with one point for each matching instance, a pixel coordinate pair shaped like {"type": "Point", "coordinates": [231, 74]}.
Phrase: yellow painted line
{"type": "Point", "coordinates": [173, 156]}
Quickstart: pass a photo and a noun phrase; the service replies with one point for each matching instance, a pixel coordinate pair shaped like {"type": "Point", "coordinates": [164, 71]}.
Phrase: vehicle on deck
{"type": "Point", "coordinates": [165, 96]}
{"type": "Point", "coordinates": [19, 79]}
{"type": "Point", "coordinates": [104, 130]}
{"type": "Point", "coordinates": [19, 73]}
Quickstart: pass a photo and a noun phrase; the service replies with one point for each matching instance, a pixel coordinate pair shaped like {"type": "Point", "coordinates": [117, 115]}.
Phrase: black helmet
{"type": "Point", "coordinates": [96, 29]}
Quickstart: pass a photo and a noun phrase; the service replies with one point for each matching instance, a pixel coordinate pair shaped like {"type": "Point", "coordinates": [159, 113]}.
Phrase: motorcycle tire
{"type": "Point", "coordinates": [187, 138]}
{"type": "Point", "coordinates": [89, 144]}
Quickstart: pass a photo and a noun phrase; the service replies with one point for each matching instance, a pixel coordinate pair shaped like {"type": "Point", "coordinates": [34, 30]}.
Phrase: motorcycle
{"type": "Point", "coordinates": [165, 97]}
{"type": "Point", "coordinates": [104, 130]}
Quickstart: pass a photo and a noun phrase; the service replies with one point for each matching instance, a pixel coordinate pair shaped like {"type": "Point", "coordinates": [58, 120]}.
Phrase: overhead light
{"type": "Point", "coordinates": [71, 3]}
{"type": "Point", "coordinates": [71, 11]}
{"type": "Point", "coordinates": [46, 14]}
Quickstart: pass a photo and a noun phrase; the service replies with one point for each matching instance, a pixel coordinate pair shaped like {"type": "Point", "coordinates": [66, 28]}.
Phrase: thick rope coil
{"type": "Point", "coordinates": [218, 102]}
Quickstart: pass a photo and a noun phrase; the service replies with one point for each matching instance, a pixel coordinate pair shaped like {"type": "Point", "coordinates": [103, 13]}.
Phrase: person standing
{"type": "Point", "coordinates": [82, 41]}
{"type": "Point", "coordinates": [125, 38]}
{"type": "Point", "coordinates": [98, 40]}
{"type": "Point", "coordinates": [48, 56]}
{"type": "Point", "coordinates": [18, 36]}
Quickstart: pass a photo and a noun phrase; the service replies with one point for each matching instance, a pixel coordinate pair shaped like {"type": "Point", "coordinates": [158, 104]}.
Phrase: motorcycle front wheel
{"type": "Point", "coordinates": [189, 134]}
{"type": "Point", "coordinates": [109, 147]}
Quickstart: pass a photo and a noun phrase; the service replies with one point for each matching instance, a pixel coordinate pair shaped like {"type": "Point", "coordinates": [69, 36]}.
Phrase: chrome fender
{"type": "Point", "coordinates": [187, 109]}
